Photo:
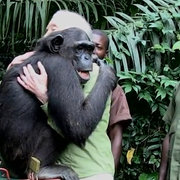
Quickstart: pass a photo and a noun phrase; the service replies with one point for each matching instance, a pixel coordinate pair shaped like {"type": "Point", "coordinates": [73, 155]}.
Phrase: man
{"type": "Point", "coordinates": [119, 114]}
{"type": "Point", "coordinates": [95, 160]}
{"type": "Point", "coordinates": [170, 160]}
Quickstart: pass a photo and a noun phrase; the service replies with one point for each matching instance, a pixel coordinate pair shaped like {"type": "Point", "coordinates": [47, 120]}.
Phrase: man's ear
{"type": "Point", "coordinates": [56, 43]}
{"type": "Point", "coordinates": [107, 51]}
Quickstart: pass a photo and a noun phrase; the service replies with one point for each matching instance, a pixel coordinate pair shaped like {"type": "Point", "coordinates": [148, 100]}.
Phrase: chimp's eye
{"type": "Point", "coordinates": [80, 49]}
{"type": "Point", "coordinates": [90, 48]}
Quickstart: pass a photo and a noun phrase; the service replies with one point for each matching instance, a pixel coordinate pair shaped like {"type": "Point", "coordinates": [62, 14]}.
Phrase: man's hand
{"type": "Point", "coordinates": [36, 83]}
{"type": "Point", "coordinates": [19, 59]}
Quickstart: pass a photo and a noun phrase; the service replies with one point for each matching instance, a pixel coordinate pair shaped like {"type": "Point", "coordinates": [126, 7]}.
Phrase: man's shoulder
{"type": "Point", "coordinates": [118, 91]}
{"type": "Point", "coordinates": [177, 88]}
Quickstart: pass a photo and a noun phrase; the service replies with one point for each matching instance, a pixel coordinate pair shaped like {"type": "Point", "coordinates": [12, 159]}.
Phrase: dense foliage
{"type": "Point", "coordinates": [145, 50]}
{"type": "Point", "coordinates": [24, 21]}
{"type": "Point", "coordinates": [144, 46]}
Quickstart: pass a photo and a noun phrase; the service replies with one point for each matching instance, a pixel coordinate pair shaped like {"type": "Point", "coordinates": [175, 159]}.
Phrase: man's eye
{"type": "Point", "coordinates": [54, 29]}
{"type": "Point", "coordinates": [99, 48]}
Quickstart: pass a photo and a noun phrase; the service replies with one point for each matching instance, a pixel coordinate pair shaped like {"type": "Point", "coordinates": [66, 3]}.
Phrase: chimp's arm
{"type": "Point", "coordinates": [75, 115]}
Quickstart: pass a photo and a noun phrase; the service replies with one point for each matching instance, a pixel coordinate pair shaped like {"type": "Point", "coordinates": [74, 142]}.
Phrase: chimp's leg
{"type": "Point", "coordinates": [49, 147]}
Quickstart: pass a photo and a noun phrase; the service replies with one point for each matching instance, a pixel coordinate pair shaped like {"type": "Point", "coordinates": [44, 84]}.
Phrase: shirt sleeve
{"type": "Point", "coordinates": [168, 117]}
{"type": "Point", "coordinates": [170, 112]}
{"type": "Point", "coordinates": [119, 107]}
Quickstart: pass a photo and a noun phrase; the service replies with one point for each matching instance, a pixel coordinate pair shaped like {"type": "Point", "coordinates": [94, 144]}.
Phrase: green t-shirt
{"type": "Point", "coordinates": [172, 117]}
{"type": "Point", "coordinates": [96, 156]}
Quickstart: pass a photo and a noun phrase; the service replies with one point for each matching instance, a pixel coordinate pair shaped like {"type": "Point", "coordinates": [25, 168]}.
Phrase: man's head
{"type": "Point", "coordinates": [101, 42]}
{"type": "Point", "coordinates": [64, 19]}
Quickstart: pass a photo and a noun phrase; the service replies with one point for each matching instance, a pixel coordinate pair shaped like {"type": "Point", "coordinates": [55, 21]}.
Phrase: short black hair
{"type": "Point", "coordinates": [102, 34]}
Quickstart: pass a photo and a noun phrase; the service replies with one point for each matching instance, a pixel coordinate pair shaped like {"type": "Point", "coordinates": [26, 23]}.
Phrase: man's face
{"type": "Point", "coordinates": [100, 45]}
{"type": "Point", "coordinates": [51, 27]}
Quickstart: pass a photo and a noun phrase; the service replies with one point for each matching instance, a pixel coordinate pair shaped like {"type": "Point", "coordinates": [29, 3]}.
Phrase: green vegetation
{"type": "Point", "coordinates": [145, 50]}
{"type": "Point", "coordinates": [24, 21]}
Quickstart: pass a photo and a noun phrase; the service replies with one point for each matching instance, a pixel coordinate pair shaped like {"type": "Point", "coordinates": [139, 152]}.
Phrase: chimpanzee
{"type": "Point", "coordinates": [24, 132]}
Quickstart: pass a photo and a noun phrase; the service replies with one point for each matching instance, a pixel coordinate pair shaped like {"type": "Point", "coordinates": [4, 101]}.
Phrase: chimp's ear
{"type": "Point", "coordinates": [56, 43]}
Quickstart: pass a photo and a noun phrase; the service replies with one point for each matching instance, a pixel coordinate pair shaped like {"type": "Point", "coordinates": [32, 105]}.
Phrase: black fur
{"type": "Point", "coordinates": [23, 125]}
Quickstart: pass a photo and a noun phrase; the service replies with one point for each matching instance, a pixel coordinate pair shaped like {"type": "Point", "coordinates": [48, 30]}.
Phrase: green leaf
{"type": "Point", "coordinates": [176, 15]}
{"type": "Point", "coordinates": [158, 48]}
{"type": "Point", "coordinates": [115, 22]}
{"type": "Point", "coordinates": [136, 160]}
{"type": "Point", "coordinates": [136, 88]}
{"type": "Point", "coordinates": [143, 8]}
{"type": "Point", "coordinates": [139, 24]}
{"type": "Point", "coordinates": [151, 78]}
{"type": "Point", "coordinates": [149, 176]}
{"type": "Point", "coordinates": [125, 16]}
{"type": "Point", "coordinates": [133, 49]}
{"type": "Point", "coordinates": [124, 50]}
{"type": "Point", "coordinates": [94, 10]}
{"type": "Point", "coordinates": [171, 1]}
{"type": "Point", "coordinates": [157, 24]}
{"type": "Point", "coordinates": [145, 95]}
{"type": "Point", "coordinates": [108, 60]}
{"type": "Point", "coordinates": [112, 44]}
{"type": "Point", "coordinates": [160, 93]}
{"type": "Point", "coordinates": [15, 13]}
{"type": "Point", "coordinates": [166, 68]}
{"type": "Point", "coordinates": [152, 159]}
{"type": "Point", "coordinates": [153, 147]}
{"type": "Point", "coordinates": [167, 82]}
{"type": "Point", "coordinates": [124, 60]}
{"type": "Point", "coordinates": [156, 139]}
{"type": "Point", "coordinates": [154, 108]}
{"type": "Point", "coordinates": [151, 5]}
{"type": "Point", "coordinates": [143, 60]}
{"type": "Point", "coordinates": [143, 176]}
{"type": "Point", "coordinates": [176, 46]}
{"type": "Point", "coordinates": [126, 76]}
{"type": "Point", "coordinates": [127, 88]}
{"type": "Point", "coordinates": [27, 4]}
{"type": "Point", "coordinates": [162, 109]}
{"type": "Point", "coordinates": [162, 3]}
{"type": "Point", "coordinates": [58, 4]}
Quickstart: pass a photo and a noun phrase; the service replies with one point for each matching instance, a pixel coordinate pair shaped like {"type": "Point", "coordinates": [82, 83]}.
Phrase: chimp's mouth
{"type": "Point", "coordinates": [84, 76]}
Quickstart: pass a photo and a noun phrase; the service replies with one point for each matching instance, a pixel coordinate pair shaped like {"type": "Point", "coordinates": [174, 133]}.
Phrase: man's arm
{"type": "Point", "coordinates": [164, 158]}
{"type": "Point", "coordinates": [119, 119]}
{"type": "Point", "coordinates": [168, 117]}
{"type": "Point", "coordinates": [19, 59]}
{"type": "Point", "coordinates": [115, 134]}
{"type": "Point", "coordinates": [30, 80]}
